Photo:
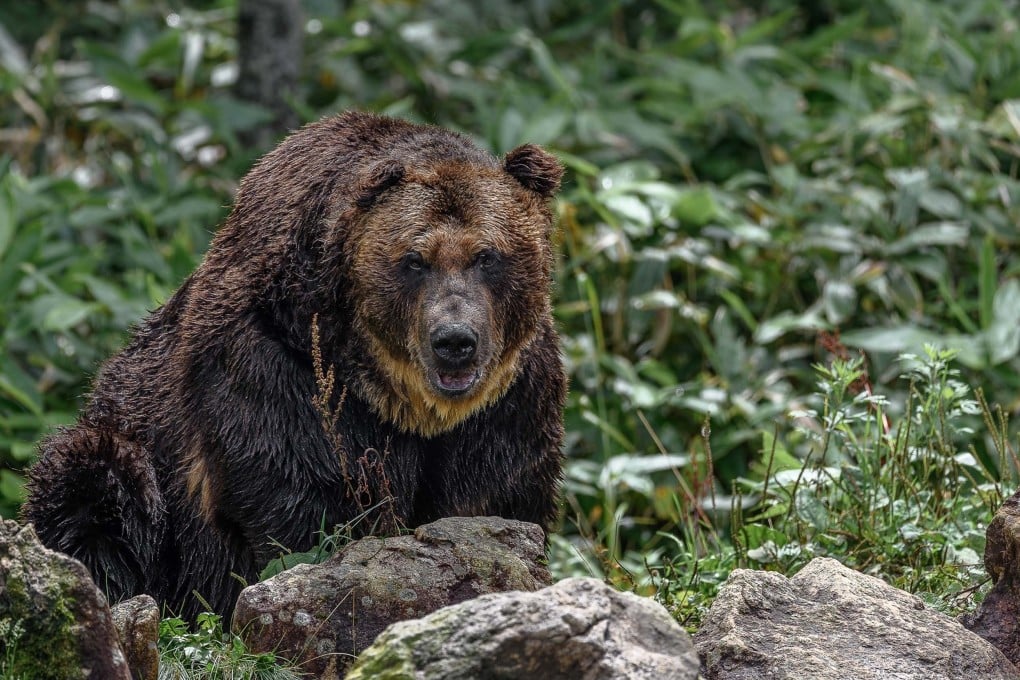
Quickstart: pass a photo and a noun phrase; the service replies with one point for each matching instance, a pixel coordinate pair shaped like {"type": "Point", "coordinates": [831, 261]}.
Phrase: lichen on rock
{"type": "Point", "coordinates": [137, 624]}
{"type": "Point", "coordinates": [578, 629]}
{"type": "Point", "coordinates": [54, 621]}
{"type": "Point", "coordinates": [829, 622]}
{"type": "Point", "coordinates": [324, 615]}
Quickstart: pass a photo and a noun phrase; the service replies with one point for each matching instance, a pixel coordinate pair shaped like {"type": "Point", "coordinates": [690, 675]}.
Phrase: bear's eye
{"type": "Point", "coordinates": [487, 259]}
{"type": "Point", "coordinates": [413, 261]}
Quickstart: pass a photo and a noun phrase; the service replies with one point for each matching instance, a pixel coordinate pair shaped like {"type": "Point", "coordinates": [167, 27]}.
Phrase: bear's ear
{"type": "Point", "coordinates": [378, 179]}
{"type": "Point", "coordinates": [535, 169]}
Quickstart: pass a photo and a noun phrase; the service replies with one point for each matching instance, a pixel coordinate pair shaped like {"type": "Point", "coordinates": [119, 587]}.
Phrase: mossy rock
{"type": "Point", "coordinates": [54, 621]}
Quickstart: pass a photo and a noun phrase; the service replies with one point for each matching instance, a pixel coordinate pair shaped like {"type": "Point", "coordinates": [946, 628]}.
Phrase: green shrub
{"type": "Point", "coordinates": [210, 653]}
{"type": "Point", "coordinates": [893, 490]}
{"type": "Point", "coordinates": [742, 177]}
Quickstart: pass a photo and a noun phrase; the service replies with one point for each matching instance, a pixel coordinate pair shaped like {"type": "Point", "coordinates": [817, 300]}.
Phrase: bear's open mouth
{"type": "Point", "coordinates": [453, 383]}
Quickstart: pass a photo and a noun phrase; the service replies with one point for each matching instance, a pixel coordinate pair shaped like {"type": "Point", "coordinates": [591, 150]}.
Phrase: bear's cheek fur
{"type": "Point", "coordinates": [389, 312]}
{"type": "Point", "coordinates": [521, 307]}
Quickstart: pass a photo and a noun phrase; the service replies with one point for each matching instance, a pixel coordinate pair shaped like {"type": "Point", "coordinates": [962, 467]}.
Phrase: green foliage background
{"type": "Point", "coordinates": [741, 176]}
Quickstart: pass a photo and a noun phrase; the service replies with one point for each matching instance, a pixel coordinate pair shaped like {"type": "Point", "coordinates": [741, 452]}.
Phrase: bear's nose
{"type": "Point", "coordinates": [454, 344]}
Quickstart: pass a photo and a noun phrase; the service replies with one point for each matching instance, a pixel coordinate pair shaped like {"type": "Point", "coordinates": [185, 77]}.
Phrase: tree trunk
{"type": "Point", "coordinates": [269, 39]}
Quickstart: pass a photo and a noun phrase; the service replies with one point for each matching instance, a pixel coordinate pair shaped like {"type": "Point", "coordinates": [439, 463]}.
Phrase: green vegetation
{"type": "Point", "coordinates": [10, 636]}
{"type": "Point", "coordinates": [742, 178]}
{"type": "Point", "coordinates": [210, 653]}
{"type": "Point", "coordinates": [890, 495]}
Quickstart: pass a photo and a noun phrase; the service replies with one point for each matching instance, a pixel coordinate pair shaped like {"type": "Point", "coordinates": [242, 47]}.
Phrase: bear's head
{"type": "Point", "coordinates": [426, 261]}
{"type": "Point", "coordinates": [450, 260]}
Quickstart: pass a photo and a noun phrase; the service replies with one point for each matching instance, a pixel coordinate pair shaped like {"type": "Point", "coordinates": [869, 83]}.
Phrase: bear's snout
{"type": "Point", "coordinates": [454, 344]}
{"type": "Point", "coordinates": [454, 353]}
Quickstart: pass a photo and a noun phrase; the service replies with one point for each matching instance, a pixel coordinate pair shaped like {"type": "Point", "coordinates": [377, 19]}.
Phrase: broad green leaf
{"type": "Point", "coordinates": [1005, 119]}
{"type": "Point", "coordinates": [696, 207]}
{"type": "Point", "coordinates": [882, 123]}
{"type": "Point", "coordinates": [986, 282]}
{"type": "Point", "coordinates": [840, 300]}
{"type": "Point", "coordinates": [839, 238]}
{"type": "Point", "coordinates": [12, 485]}
{"type": "Point", "coordinates": [941, 203]}
{"type": "Point", "coordinates": [577, 163]}
{"type": "Point", "coordinates": [22, 451]}
{"type": "Point", "coordinates": [289, 560]}
{"type": "Point", "coordinates": [511, 129]}
{"type": "Point", "coordinates": [932, 234]}
{"type": "Point", "coordinates": [781, 458]}
{"type": "Point", "coordinates": [907, 338]}
{"type": "Point", "coordinates": [19, 386]}
{"type": "Point", "coordinates": [624, 174]}
{"type": "Point", "coordinates": [785, 322]}
{"type": "Point", "coordinates": [890, 339]}
{"type": "Point", "coordinates": [739, 308]}
{"type": "Point", "coordinates": [637, 392]}
{"type": "Point", "coordinates": [643, 464]}
{"type": "Point", "coordinates": [658, 371]}
{"type": "Point", "coordinates": [656, 299]}
{"type": "Point", "coordinates": [931, 263]}
{"type": "Point", "coordinates": [757, 535]}
{"type": "Point", "coordinates": [1004, 333]}
{"type": "Point", "coordinates": [546, 126]}
{"type": "Point", "coordinates": [608, 428]}
{"type": "Point", "coordinates": [202, 209]}
{"type": "Point", "coordinates": [94, 215]}
{"type": "Point", "coordinates": [66, 314]}
{"type": "Point", "coordinates": [630, 209]}
{"type": "Point", "coordinates": [234, 115]}
{"type": "Point", "coordinates": [126, 309]}
{"type": "Point", "coordinates": [135, 89]}
{"type": "Point", "coordinates": [7, 218]}
{"type": "Point", "coordinates": [31, 421]}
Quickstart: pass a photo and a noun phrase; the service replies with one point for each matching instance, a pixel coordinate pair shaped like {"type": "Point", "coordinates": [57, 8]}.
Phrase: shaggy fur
{"type": "Point", "coordinates": [425, 264]}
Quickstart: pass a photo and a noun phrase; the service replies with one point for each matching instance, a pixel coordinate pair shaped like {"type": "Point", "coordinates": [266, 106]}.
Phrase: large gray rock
{"type": "Point", "coordinates": [997, 619]}
{"type": "Point", "coordinates": [137, 624]}
{"type": "Point", "coordinates": [54, 621]}
{"type": "Point", "coordinates": [323, 615]}
{"type": "Point", "coordinates": [829, 622]}
{"type": "Point", "coordinates": [578, 629]}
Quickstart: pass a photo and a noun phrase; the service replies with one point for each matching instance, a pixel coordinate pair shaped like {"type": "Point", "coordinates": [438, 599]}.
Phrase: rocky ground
{"type": "Point", "coordinates": [470, 597]}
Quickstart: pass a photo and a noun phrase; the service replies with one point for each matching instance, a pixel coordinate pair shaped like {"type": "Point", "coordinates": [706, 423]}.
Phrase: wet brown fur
{"type": "Point", "coordinates": [201, 446]}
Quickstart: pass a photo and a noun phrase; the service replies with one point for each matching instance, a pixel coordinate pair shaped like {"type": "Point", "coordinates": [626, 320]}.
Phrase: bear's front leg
{"type": "Point", "coordinates": [93, 495]}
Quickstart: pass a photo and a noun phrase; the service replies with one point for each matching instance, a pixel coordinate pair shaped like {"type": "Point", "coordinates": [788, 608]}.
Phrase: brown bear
{"type": "Point", "coordinates": [433, 386]}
